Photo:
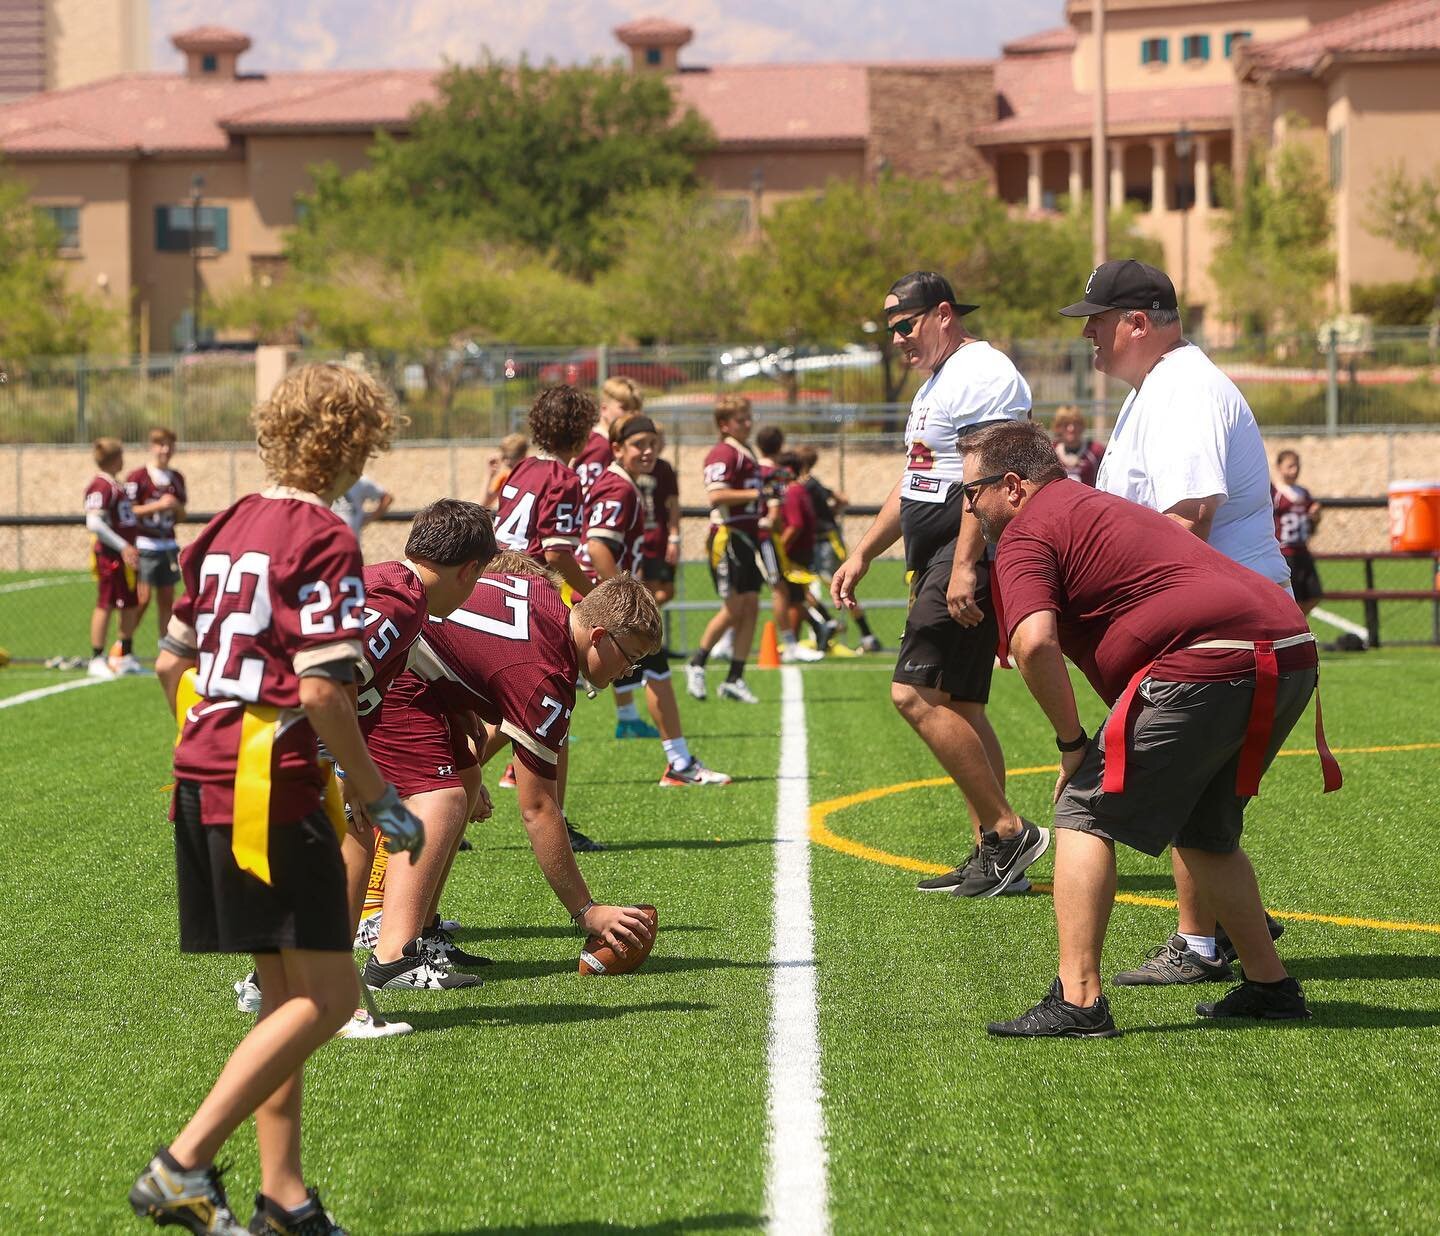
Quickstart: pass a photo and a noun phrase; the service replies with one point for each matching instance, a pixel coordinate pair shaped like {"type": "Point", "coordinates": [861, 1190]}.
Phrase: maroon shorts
{"type": "Point", "coordinates": [411, 743]}
{"type": "Point", "coordinates": [116, 584]}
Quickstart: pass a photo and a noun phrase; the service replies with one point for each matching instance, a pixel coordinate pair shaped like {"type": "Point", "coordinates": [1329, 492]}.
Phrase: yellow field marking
{"type": "Point", "coordinates": [822, 834]}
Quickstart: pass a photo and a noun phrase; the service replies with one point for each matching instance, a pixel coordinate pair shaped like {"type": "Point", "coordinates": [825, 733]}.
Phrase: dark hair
{"type": "Point", "coordinates": [561, 418]}
{"type": "Point", "coordinates": [623, 427]}
{"type": "Point", "coordinates": [1287, 453]}
{"type": "Point", "coordinates": [807, 455]}
{"type": "Point", "coordinates": [922, 289]}
{"type": "Point", "coordinates": [1021, 447]}
{"type": "Point", "coordinates": [790, 461]}
{"type": "Point", "coordinates": [770, 439]}
{"type": "Point", "coordinates": [450, 532]}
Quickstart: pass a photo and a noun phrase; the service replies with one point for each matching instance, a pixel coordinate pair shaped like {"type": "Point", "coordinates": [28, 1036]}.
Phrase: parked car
{"type": "Point", "coordinates": [583, 369]}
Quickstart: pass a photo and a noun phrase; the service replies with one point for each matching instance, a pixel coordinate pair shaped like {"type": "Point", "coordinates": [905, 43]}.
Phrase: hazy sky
{"type": "Point", "coordinates": [314, 34]}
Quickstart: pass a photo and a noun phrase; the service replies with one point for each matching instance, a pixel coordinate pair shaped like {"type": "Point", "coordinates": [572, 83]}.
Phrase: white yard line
{"type": "Point", "coordinates": [1342, 624]}
{"type": "Point", "coordinates": [25, 697]}
{"type": "Point", "coordinates": [797, 1200]}
{"type": "Point", "coordinates": [25, 585]}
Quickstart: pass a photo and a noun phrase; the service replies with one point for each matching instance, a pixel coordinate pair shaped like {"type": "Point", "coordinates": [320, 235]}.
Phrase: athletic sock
{"type": "Point", "coordinates": [787, 638]}
{"type": "Point", "coordinates": [863, 625]}
{"type": "Point", "coordinates": [700, 656]}
{"type": "Point", "coordinates": [1278, 983]}
{"type": "Point", "coordinates": [1204, 945]}
{"type": "Point", "coordinates": [127, 646]}
{"type": "Point", "coordinates": [737, 671]}
{"type": "Point", "coordinates": [677, 752]}
{"type": "Point", "coordinates": [375, 889]}
{"type": "Point", "coordinates": [96, 652]}
{"type": "Point", "coordinates": [627, 712]}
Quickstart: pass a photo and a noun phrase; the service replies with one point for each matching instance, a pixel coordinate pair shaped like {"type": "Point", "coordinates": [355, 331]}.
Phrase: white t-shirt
{"type": "Point", "coordinates": [350, 505]}
{"type": "Point", "coordinates": [976, 384]}
{"type": "Point", "coordinates": [1188, 433]}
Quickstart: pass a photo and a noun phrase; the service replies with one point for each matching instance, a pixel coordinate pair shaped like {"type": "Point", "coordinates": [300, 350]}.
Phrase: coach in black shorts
{"type": "Point", "coordinates": [942, 677]}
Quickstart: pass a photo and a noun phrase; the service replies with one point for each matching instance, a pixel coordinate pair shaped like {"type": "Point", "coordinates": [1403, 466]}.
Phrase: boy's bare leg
{"type": "Point", "coordinates": [660, 696]}
{"type": "Point", "coordinates": [99, 626]}
{"type": "Point", "coordinates": [411, 887]}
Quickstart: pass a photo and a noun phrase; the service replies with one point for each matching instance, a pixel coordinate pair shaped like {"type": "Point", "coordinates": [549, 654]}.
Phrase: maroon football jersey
{"type": "Point", "coordinates": [541, 507]}
{"type": "Point", "coordinates": [157, 530]}
{"type": "Point", "coordinates": [615, 514]}
{"type": "Point", "coordinates": [730, 465]}
{"type": "Point", "coordinates": [395, 613]}
{"type": "Point", "coordinates": [1292, 517]}
{"type": "Point", "coordinates": [593, 460]}
{"type": "Point", "coordinates": [798, 512]}
{"type": "Point", "coordinates": [108, 498]}
{"type": "Point", "coordinates": [508, 655]}
{"type": "Point", "coordinates": [655, 498]}
{"type": "Point", "coordinates": [274, 585]}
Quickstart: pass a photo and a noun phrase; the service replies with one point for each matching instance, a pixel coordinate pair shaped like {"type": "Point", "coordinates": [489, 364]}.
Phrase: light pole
{"type": "Point", "coordinates": [1099, 190]}
{"type": "Point", "coordinates": [197, 189]}
{"type": "Point", "coordinates": [1183, 146]}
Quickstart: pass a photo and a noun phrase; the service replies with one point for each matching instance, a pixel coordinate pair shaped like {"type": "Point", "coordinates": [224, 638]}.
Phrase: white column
{"type": "Point", "coordinates": [1077, 180]}
{"type": "Point", "coordinates": [1157, 174]}
{"type": "Point", "coordinates": [1032, 179]}
{"type": "Point", "coordinates": [1117, 175]}
{"type": "Point", "coordinates": [1202, 175]}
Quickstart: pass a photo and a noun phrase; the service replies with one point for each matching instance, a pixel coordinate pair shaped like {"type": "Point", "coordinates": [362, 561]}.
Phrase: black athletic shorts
{"type": "Point", "coordinates": [654, 668]}
{"type": "Point", "coordinates": [1304, 578]}
{"type": "Point", "coordinates": [935, 650]}
{"type": "Point", "coordinates": [1181, 766]}
{"type": "Point", "coordinates": [656, 571]}
{"type": "Point", "coordinates": [160, 568]}
{"type": "Point", "coordinates": [226, 910]}
{"type": "Point", "coordinates": [734, 563]}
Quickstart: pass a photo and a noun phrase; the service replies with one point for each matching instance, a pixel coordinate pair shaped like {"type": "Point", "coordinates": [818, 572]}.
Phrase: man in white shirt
{"type": "Point", "coordinates": [1185, 444]}
{"type": "Point", "coordinates": [941, 682]}
{"type": "Point", "coordinates": [352, 506]}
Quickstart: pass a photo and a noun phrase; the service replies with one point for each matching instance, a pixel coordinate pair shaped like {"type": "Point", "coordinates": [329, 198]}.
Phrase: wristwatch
{"type": "Point", "coordinates": [1074, 744]}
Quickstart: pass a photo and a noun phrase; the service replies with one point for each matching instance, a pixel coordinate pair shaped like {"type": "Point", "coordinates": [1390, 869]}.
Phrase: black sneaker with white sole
{"type": "Point", "coordinates": [442, 943]}
{"type": "Point", "coordinates": [418, 966]}
{"type": "Point", "coordinates": [1282, 1001]}
{"type": "Point", "coordinates": [1174, 962]}
{"type": "Point", "coordinates": [580, 843]}
{"type": "Point", "coordinates": [1055, 1018]}
{"type": "Point", "coordinates": [1002, 860]}
{"type": "Point", "coordinates": [311, 1219]}
{"type": "Point", "coordinates": [1227, 949]}
{"type": "Point", "coordinates": [950, 880]}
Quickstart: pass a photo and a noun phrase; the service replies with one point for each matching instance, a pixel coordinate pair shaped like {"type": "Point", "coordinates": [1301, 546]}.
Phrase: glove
{"type": "Point", "coordinates": [401, 828]}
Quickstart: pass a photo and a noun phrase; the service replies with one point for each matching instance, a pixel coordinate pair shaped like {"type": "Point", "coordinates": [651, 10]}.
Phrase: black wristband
{"type": "Point", "coordinates": [1073, 745]}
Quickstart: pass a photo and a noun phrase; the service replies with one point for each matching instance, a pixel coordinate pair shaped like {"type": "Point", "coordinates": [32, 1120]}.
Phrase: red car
{"type": "Point", "coordinates": [583, 370]}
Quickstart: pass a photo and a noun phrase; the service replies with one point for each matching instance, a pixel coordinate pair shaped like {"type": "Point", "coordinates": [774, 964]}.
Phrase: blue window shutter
{"type": "Point", "coordinates": [221, 216]}
{"type": "Point", "coordinates": [1204, 47]}
{"type": "Point", "coordinates": [1164, 51]}
{"type": "Point", "coordinates": [160, 229]}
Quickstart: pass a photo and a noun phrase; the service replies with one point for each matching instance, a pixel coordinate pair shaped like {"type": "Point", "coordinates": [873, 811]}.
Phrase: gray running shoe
{"type": "Point", "coordinates": [1227, 950]}
{"type": "Point", "coordinates": [1174, 962]}
{"type": "Point", "coordinates": [950, 880]}
{"type": "Point", "coordinates": [312, 1219]}
{"type": "Point", "coordinates": [1284, 1001]}
{"type": "Point", "coordinates": [1002, 861]}
{"type": "Point", "coordinates": [1054, 1018]}
{"type": "Point", "coordinates": [194, 1200]}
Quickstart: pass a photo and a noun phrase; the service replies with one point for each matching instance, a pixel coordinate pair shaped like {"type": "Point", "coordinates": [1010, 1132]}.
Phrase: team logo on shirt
{"type": "Point", "coordinates": [1090, 282]}
{"type": "Point", "coordinates": [445, 770]}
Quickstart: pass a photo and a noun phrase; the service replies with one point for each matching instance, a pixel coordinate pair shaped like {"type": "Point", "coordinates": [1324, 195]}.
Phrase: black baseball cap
{"type": "Point", "coordinates": [924, 289]}
{"type": "Point", "coordinates": [1124, 284]}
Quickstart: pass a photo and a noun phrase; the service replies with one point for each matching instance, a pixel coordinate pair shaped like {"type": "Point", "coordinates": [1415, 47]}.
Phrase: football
{"type": "Point", "coordinates": [597, 957]}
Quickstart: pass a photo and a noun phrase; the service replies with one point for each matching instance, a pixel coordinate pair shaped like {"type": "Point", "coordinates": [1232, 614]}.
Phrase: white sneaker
{"type": "Point", "coordinates": [790, 653]}
{"type": "Point", "coordinates": [695, 681]}
{"type": "Point", "coordinates": [99, 668]}
{"type": "Point", "coordinates": [363, 1026]}
{"type": "Point", "coordinates": [367, 935]}
{"type": "Point", "coordinates": [725, 645]}
{"type": "Point", "coordinates": [695, 773]}
{"type": "Point", "coordinates": [129, 665]}
{"type": "Point", "coordinates": [247, 993]}
{"type": "Point", "coordinates": [738, 691]}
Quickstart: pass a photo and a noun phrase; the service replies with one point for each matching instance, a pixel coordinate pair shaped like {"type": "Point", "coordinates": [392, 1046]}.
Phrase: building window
{"type": "Point", "coordinates": [1337, 158]}
{"type": "Point", "coordinates": [1233, 37]}
{"type": "Point", "coordinates": [1195, 48]}
{"type": "Point", "coordinates": [1155, 51]}
{"type": "Point", "coordinates": [67, 223]}
{"type": "Point", "coordinates": [652, 55]}
{"type": "Point", "coordinates": [208, 63]}
{"type": "Point", "coordinates": [173, 229]}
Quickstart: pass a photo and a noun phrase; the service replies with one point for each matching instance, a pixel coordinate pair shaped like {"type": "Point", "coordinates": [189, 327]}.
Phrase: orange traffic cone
{"type": "Point", "coordinates": [769, 648]}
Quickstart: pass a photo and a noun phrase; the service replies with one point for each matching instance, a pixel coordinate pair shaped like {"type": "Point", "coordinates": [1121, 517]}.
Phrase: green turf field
{"type": "Point", "coordinates": [544, 1102]}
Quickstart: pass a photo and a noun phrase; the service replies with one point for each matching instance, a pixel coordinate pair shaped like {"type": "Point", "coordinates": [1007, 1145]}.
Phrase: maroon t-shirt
{"type": "Point", "coordinates": [272, 585]}
{"type": "Point", "coordinates": [615, 514]}
{"type": "Point", "coordinates": [541, 507]}
{"type": "Point", "coordinates": [1292, 518]}
{"type": "Point", "coordinates": [593, 459]}
{"type": "Point", "coordinates": [395, 613]}
{"type": "Point", "coordinates": [507, 654]}
{"type": "Point", "coordinates": [730, 465]}
{"type": "Point", "coordinates": [655, 497]}
{"type": "Point", "coordinates": [798, 512]}
{"type": "Point", "coordinates": [107, 496]}
{"type": "Point", "coordinates": [1129, 586]}
{"type": "Point", "coordinates": [157, 530]}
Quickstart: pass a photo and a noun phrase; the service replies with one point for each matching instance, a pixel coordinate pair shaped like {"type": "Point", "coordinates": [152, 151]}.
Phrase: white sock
{"type": "Point", "coordinates": [677, 751]}
{"type": "Point", "coordinates": [1204, 945]}
{"type": "Point", "coordinates": [627, 712]}
{"type": "Point", "coordinates": [787, 637]}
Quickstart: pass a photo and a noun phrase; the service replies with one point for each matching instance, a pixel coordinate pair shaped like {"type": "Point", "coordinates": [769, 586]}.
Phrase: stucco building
{"type": "Point", "coordinates": [121, 162]}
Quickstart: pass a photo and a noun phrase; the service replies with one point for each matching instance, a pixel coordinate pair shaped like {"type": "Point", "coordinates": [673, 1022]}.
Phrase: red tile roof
{"type": "Point", "coordinates": [826, 104]}
{"type": "Point", "coordinates": [1061, 38]}
{"type": "Point", "coordinates": [1403, 26]}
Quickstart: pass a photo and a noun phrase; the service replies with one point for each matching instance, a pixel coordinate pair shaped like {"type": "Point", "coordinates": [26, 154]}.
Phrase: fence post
{"type": "Point", "coordinates": [602, 365]}
{"type": "Point", "coordinates": [1332, 382]}
{"type": "Point", "coordinates": [81, 433]}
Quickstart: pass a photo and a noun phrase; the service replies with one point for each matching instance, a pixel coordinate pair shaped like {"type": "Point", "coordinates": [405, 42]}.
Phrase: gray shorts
{"type": "Point", "coordinates": [160, 568]}
{"type": "Point", "coordinates": [1181, 766]}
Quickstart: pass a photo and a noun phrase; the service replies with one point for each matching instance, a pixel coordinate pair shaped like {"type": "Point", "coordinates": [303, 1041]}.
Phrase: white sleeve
{"type": "Point", "coordinates": [1188, 448]}
{"type": "Point", "coordinates": [96, 523]}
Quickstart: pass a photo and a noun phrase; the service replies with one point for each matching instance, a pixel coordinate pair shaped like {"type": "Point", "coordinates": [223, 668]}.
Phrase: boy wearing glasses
{"type": "Point", "coordinates": [942, 677]}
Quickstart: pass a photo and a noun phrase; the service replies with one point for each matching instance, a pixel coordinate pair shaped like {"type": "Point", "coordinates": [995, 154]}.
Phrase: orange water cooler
{"type": "Point", "coordinates": [1415, 516]}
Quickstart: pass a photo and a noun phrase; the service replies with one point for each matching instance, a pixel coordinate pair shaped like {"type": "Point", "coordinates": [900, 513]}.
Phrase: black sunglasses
{"type": "Point", "coordinates": [906, 326]}
{"type": "Point", "coordinates": [972, 489]}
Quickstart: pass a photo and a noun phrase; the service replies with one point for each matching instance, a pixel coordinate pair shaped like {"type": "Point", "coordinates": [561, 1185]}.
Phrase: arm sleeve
{"type": "Point", "coordinates": [96, 523]}
{"type": "Point", "coordinates": [720, 469]}
{"type": "Point", "coordinates": [539, 725]}
{"type": "Point", "coordinates": [1028, 575]}
{"type": "Point", "coordinates": [558, 514]}
{"type": "Point", "coordinates": [319, 602]}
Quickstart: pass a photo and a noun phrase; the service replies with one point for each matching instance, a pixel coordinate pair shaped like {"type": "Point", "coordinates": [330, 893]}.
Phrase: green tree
{"type": "Point", "coordinates": [42, 315]}
{"type": "Point", "coordinates": [1274, 258]}
{"type": "Point", "coordinates": [1406, 212]}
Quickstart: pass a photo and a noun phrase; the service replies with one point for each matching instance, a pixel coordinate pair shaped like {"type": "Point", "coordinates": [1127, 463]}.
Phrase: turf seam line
{"type": "Point", "coordinates": [40, 693]}
{"type": "Point", "coordinates": [796, 1193]}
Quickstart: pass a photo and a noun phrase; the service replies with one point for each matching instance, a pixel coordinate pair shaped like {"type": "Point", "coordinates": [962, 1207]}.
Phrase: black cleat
{"type": "Point", "coordinates": [1053, 1018]}
{"type": "Point", "coordinates": [418, 966]}
{"type": "Point", "coordinates": [440, 942]}
{"type": "Point", "coordinates": [194, 1200]}
{"type": "Point", "coordinates": [580, 843]}
{"type": "Point", "coordinates": [311, 1219]}
{"type": "Point", "coordinates": [1227, 950]}
{"type": "Point", "coordinates": [952, 879]}
{"type": "Point", "coordinates": [1002, 861]}
{"type": "Point", "coordinates": [1174, 962]}
{"type": "Point", "coordinates": [1282, 1002]}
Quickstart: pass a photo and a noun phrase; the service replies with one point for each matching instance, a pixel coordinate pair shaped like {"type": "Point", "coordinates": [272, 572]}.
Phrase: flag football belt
{"type": "Point", "coordinates": [1257, 730]}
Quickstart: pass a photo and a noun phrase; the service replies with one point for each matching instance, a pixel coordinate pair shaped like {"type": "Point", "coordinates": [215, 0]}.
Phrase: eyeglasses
{"type": "Point", "coordinates": [906, 326]}
{"type": "Point", "coordinates": [971, 489]}
{"type": "Point", "coordinates": [630, 661]}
